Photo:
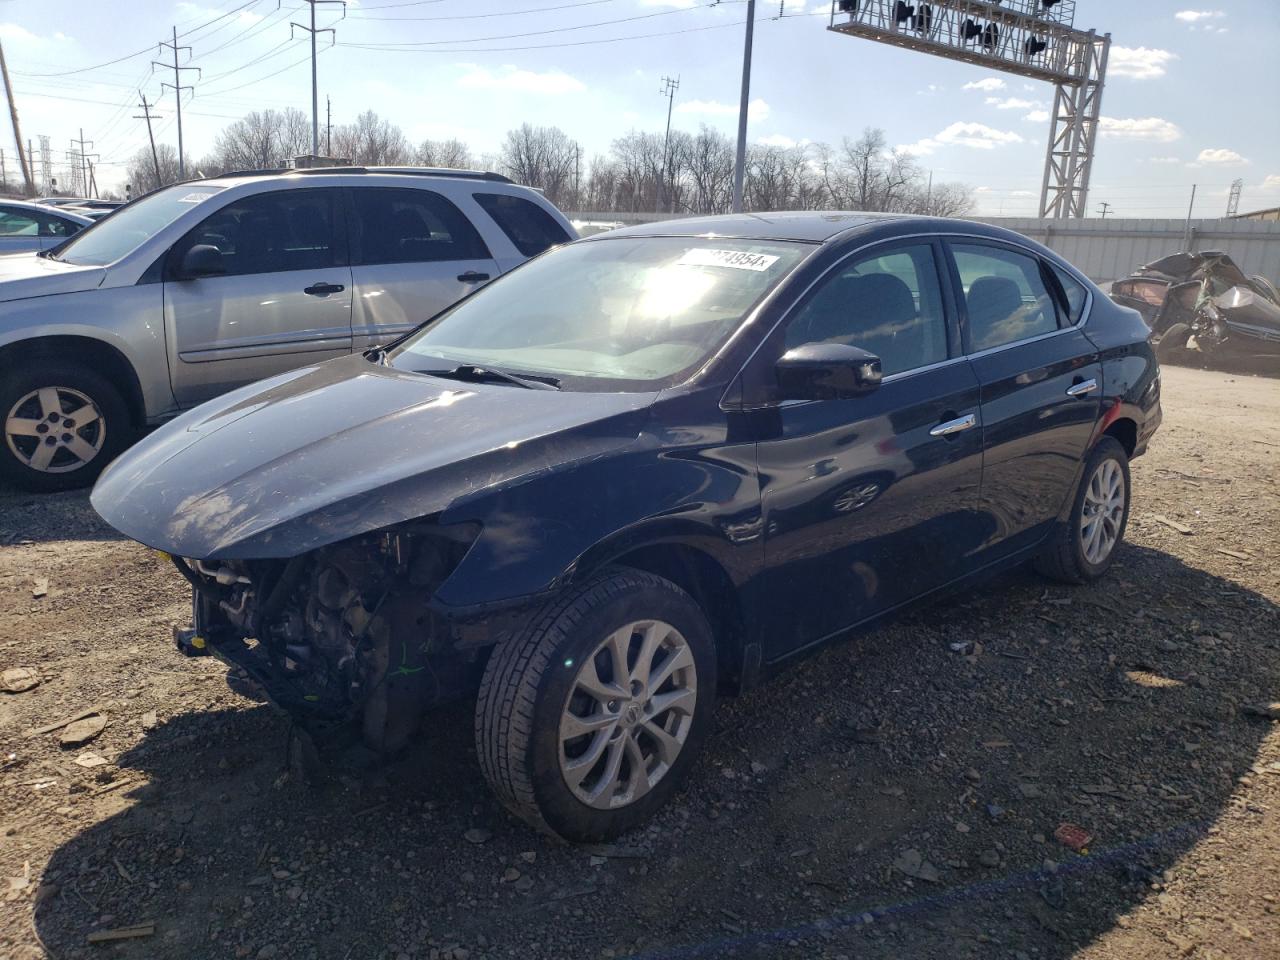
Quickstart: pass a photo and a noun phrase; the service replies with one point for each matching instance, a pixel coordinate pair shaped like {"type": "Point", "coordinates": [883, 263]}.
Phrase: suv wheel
{"type": "Point", "coordinates": [1084, 547]}
{"type": "Point", "coordinates": [62, 424]}
{"type": "Point", "coordinates": [589, 719]}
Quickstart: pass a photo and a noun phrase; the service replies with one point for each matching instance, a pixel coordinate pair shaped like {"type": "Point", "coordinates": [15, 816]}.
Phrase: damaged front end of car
{"type": "Point", "coordinates": [345, 633]}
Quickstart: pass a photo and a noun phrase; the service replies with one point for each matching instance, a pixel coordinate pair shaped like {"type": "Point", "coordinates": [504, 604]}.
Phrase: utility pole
{"type": "Point", "coordinates": [146, 115]}
{"type": "Point", "coordinates": [315, 92]}
{"type": "Point", "coordinates": [1186, 242]}
{"type": "Point", "coordinates": [328, 126]}
{"type": "Point", "coordinates": [4, 176]}
{"type": "Point", "coordinates": [1106, 208]}
{"type": "Point", "coordinates": [17, 132]}
{"type": "Point", "coordinates": [178, 87]}
{"type": "Point", "coordinates": [669, 88]}
{"type": "Point", "coordinates": [93, 180]}
{"type": "Point", "coordinates": [740, 164]}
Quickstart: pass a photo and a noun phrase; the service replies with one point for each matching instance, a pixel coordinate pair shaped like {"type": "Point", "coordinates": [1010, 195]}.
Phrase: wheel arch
{"type": "Point", "coordinates": [1125, 431]}
{"type": "Point", "coordinates": [97, 355]}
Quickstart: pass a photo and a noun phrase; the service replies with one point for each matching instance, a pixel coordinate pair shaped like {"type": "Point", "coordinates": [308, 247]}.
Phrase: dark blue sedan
{"type": "Point", "coordinates": [641, 471]}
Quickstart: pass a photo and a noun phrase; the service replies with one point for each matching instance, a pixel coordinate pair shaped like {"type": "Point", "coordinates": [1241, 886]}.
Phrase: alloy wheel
{"type": "Point", "coordinates": [628, 714]}
{"type": "Point", "coordinates": [1102, 512]}
{"type": "Point", "coordinates": [55, 430]}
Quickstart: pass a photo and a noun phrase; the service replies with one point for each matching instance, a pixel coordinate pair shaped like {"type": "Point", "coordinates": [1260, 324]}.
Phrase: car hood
{"type": "Point", "coordinates": [333, 450]}
{"type": "Point", "coordinates": [24, 275]}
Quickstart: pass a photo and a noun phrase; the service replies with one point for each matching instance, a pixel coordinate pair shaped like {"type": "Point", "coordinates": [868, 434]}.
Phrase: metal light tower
{"type": "Point", "coordinates": [1031, 38]}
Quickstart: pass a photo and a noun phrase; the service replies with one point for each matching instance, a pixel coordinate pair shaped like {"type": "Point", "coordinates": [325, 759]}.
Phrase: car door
{"type": "Point", "coordinates": [414, 253]}
{"type": "Point", "coordinates": [871, 501]}
{"type": "Point", "coordinates": [1041, 383]}
{"type": "Point", "coordinates": [283, 300]}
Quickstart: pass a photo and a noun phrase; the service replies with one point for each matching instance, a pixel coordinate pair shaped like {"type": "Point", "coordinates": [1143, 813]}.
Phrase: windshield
{"type": "Point", "coordinates": [112, 237]}
{"type": "Point", "coordinates": [632, 313]}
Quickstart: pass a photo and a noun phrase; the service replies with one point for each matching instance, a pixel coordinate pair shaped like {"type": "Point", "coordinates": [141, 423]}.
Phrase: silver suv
{"type": "Point", "coordinates": [205, 286]}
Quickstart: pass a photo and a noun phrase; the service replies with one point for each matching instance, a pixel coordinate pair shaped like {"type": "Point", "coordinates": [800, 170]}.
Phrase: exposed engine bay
{"type": "Point", "coordinates": [346, 632]}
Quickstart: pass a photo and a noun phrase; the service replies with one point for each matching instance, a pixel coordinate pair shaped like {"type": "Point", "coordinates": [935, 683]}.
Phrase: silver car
{"type": "Point", "coordinates": [25, 227]}
{"type": "Point", "coordinates": [205, 286]}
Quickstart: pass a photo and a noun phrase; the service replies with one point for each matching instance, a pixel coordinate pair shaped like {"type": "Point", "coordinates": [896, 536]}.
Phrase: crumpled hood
{"type": "Point", "coordinates": [24, 275]}
{"type": "Point", "coordinates": [330, 451]}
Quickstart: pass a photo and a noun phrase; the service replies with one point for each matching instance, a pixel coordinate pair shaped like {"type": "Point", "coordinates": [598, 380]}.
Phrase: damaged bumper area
{"type": "Point", "coordinates": [345, 633]}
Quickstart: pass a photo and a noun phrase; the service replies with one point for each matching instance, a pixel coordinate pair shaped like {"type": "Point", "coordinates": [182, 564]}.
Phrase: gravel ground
{"type": "Point", "coordinates": [887, 798]}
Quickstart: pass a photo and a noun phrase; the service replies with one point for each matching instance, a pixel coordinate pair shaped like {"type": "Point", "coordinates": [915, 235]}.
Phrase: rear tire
{"type": "Point", "coordinates": [62, 423]}
{"type": "Point", "coordinates": [576, 746]}
{"type": "Point", "coordinates": [1083, 548]}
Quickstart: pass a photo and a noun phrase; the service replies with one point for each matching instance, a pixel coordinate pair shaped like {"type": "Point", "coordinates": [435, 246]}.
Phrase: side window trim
{"type": "Point", "coordinates": [957, 283]}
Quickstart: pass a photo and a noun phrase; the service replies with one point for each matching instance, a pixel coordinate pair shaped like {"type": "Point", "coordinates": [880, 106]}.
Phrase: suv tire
{"type": "Point", "coordinates": [639, 735]}
{"type": "Point", "coordinates": [62, 423]}
{"type": "Point", "coordinates": [1083, 548]}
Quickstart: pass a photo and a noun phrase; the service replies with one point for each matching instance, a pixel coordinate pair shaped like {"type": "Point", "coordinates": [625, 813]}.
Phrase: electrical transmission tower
{"type": "Point", "coordinates": [1035, 39]}
{"type": "Point", "coordinates": [1233, 201]}
{"type": "Point", "coordinates": [178, 87]}
{"type": "Point", "coordinates": [315, 90]}
{"type": "Point", "coordinates": [46, 166]}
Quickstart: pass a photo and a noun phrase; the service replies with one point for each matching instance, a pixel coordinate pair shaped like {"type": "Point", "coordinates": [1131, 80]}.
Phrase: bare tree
{"type": "Point", "coordinates": [711, 171]}
{"type": "Point", "coordinates": [543, 157]}
{"type": "Point", "coordinates": [142, 171]}
{"type": "Point", "coordinates": [372, 141]}
{"type": "Point", "coordinates": [452, 154]}
{"type": "Point", "coordinates": [262, 140]}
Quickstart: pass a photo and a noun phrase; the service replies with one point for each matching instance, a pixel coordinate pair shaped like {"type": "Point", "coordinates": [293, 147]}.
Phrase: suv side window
{"type": "Point", "coordinates": [1005, 295]}
{"type": "Point", "coordinates": [391, 225]}
{"type": "Point", "coordinates": [57, 227]}
{"type": "Point", "coordinates": [270, 233]}
{"type": "Point", "coordinates": [530, 228]}
{"type": "Point", "coordinates": [889, 303]}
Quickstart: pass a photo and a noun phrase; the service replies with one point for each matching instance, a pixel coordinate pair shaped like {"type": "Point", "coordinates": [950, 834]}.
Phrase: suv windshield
{"type": "Point", "coordinates": [111, 238]}
{"type": "Point", "coordinates": [631, 313]}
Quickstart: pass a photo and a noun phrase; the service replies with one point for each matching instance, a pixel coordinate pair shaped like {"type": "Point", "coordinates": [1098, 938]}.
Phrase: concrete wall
{"type": "Point", "coordinates": [1112, 248]}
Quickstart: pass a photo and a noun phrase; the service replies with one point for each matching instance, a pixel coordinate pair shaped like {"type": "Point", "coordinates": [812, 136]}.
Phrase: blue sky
{"type": "Point", "coordinates": [1192, 93]}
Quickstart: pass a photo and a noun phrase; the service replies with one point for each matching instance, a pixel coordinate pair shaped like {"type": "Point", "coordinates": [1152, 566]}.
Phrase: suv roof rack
{"type": "Point", "coordinates": [399, 171]}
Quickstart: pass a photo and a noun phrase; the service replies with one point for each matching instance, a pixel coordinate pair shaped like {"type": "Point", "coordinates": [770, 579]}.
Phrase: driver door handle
{"type": "Point", "coordinates": [951, 427]}
{"type": "Point", "coordinates": [1083, 388]}
{"type": "Point", "coordinates": [323, 289]}
{"type": "Point", "coordinates": [472, 276]}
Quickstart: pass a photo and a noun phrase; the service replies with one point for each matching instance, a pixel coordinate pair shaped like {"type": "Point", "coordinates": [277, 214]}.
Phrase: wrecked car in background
{"type": "Point", "coordinates": [642, 470]}
{"type": "Point", "coordinates": [1203, 301]}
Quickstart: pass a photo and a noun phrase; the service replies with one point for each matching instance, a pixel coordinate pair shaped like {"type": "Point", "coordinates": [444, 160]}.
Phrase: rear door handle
{"type": "Point", "coordinates": [952, 427]}
{"type": "Point", "coordinates": [323, 289]}
{"type": "Point", "coordinates": [1083, 388]}
{"type": "Point", "coordinates": [471, 276]}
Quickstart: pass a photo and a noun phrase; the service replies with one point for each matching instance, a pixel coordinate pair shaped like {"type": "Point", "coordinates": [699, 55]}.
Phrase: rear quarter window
{"type": "Point", "coordinates": [1077, 295]}
{"type": "Point", "coordinates": [529, 227]}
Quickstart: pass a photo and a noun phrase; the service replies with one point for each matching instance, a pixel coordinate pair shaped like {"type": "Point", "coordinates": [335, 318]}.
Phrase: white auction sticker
{"type": "Point", "coordinates": [195, 197]}
{"type": "Point", "coordinates": [737, 259]}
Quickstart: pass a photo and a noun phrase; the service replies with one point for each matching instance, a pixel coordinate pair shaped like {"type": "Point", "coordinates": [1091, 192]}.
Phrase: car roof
{"type": "Point", "coordinates": [810, 226]}
{"type": "Point", "coordinates": [46, 209]}
{"type": "Point", "coordinates": [356, 175]}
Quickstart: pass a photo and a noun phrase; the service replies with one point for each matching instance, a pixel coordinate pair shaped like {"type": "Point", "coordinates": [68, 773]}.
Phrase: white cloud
{"type": "Point", "coordinates": [510, 78]}
{"type": "Point", "coordinates": [777, 140]}
{"type": "Point", "coordinates": [1220, 158]}
{"type": "Point", "coordinates": [1272, 182]}
{"type": "Point", "coordinates": [976, 136]}
{"type": "Point", "coordinates": [1195, 16]}
{"type": "Point", "coordinates": [1010, 103]}
{"type": "Point", "coordinates": [757, 110]}
{"type": "Point", "coordinates": [1140, 128]}
{"type": "Point", "coordinates": [1164, 161]}
{"type": "Point", "coordinates": [1037, 116]}
{"type": "Point", "coordinates": [1139, 63]}
{"type": "Point", "coordinates": [988, 85]}
{"type": "Point", "coordinates": [1021, 193]}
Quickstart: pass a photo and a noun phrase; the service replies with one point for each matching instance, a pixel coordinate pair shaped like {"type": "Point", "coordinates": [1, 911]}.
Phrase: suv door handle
{"type": "Point", "coordinates": [1083, 388]}
{"type": "Point", "coordinates": [952, 427]}
{"type": "Point", "coordinates": [472, 276]}
{"type": "Point", "coordinates": [323, 289]}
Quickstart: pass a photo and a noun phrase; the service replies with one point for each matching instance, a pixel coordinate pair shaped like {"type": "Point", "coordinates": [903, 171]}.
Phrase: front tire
{"type": "Point", "coordinates": [590, 718]}
{"type": "Point", "coordinates": [62, 423]}
{"type": "Point", "coordinates": [1083, 549]}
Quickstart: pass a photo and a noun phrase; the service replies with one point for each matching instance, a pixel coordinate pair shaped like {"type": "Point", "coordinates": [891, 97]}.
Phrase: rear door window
{"type": "Point", "coordinates": [391, 225]}
{"type": "Point", "coordinates": [17, 224]}
{"type": "Point", "coordinates": [1005, 293]}
{"type": "Point", "coordinates": [529, 228]}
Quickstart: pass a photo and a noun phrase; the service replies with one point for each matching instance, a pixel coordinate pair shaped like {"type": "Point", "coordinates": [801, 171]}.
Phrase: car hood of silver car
{"type": "Point", "coordinates": [330, 451]}
{"type": "Point", "coordinates": [25, 275]}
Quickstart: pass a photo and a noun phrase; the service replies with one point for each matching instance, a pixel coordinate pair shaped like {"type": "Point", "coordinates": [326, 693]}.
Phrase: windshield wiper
{"type": "Point", "coordinates": [469, 371]}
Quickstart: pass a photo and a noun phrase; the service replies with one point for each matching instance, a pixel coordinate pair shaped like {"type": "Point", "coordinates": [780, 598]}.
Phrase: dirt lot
{"type": "Point", "coordinates": [1117, 708]}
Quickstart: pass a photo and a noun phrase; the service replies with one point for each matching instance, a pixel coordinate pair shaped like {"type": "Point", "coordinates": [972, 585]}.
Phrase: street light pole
{"type": "Point", "coordinates": [739, 167]}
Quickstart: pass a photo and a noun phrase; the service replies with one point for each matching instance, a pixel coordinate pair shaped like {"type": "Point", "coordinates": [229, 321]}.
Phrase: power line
{"type": "Point", "coordinates": [485, 16]}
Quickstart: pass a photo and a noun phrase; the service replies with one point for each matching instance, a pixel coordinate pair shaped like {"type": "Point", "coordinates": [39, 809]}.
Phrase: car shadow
{"type": "Point", "coordinates": [895, 795]}
{"type": "Point", "coordinates": [27, 517]}
{"type": "Point", "coordinates": [1260, 366]}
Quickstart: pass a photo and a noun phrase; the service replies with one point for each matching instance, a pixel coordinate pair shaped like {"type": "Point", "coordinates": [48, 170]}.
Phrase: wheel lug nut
{"type": "Point", "coordinates": [42, 428]}
{"type": "Point", "coordinates": [68, 423]}
{"type": "Point", "coordinates": [66, 438]}
{"type": "Point", "coordinates": [51, 440]}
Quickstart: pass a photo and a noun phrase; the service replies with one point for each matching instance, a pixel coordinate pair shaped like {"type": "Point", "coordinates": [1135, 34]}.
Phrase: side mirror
{"type": "Point", "coordinates": [202, 260]}
{"type": "Point", "coordinates": [827, 371]}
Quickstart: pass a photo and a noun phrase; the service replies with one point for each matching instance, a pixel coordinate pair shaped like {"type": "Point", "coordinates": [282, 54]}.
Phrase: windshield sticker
{"type": "Point", "coordinates": [736, 259]}
{"type": "Point", "coordinates": [195, 197]}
